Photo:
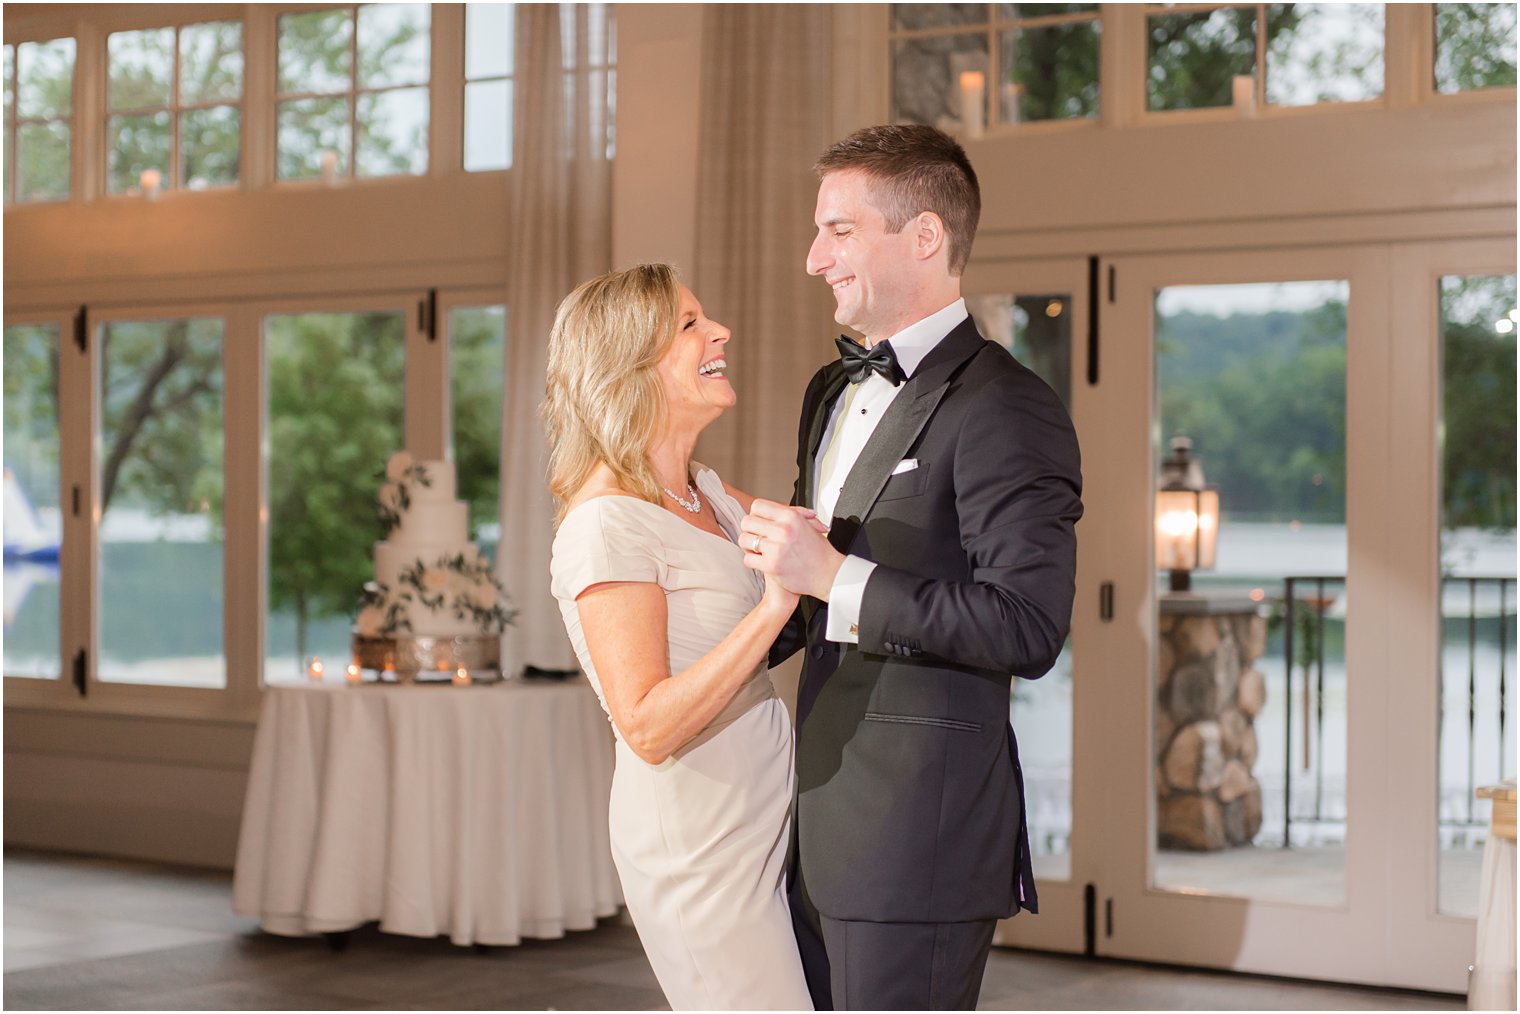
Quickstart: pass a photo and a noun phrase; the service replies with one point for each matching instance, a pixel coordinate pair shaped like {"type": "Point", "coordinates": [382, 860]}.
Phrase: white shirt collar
{"type": "Point", "coordinates": [917, 340]}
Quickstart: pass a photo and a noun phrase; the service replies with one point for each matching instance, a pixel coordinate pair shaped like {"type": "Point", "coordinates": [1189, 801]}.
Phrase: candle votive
{"type": "Point", "coordinates": [973, 101]}
{"type": "Point", "coordinates": [353, 673]}
{"type": "Point", "coordinates": [461, 677]}
{"type": "Point", "coordinates": [150, 180]}
{"type": "Point", "coordinates": [329, 167]}
{"type": "Point", "coordinates": [1243, 94]}
{"type": "Point", "coordinates": [315, 669]}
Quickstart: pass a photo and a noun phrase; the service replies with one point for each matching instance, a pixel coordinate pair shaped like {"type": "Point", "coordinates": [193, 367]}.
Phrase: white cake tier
{"type": "Point", "coordinates": [433, 523]}
{"type": "Point", "coordinates": [391, 559]}
{"type": "Point", "coordinates": [440, 488]}
{"type": "Point", "coordinates": [426, 623]}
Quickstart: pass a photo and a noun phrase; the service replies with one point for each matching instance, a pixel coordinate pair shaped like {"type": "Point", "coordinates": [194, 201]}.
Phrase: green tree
{"type": "Point", "coordinates": [1478, 404]}
{"type": "Point", "coordinates": [335, 409]}
{"type": "Point", "coordinates": [476, 350]}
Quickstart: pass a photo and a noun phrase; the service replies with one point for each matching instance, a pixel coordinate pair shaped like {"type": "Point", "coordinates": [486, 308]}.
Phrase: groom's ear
{"type": "Point", "coordinates": [929, 235]}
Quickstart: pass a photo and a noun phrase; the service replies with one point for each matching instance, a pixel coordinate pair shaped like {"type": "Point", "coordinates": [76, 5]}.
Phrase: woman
{"type": "Point", "coordinates": [673, 631]}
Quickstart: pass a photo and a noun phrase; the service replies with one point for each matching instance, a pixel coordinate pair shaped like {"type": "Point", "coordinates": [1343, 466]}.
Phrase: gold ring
{"type": "Point", "coordinates": [754, 546]}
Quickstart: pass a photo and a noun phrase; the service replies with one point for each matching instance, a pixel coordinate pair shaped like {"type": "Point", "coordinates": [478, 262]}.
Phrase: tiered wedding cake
{"type": "Point", "coordinates": [431, 582]}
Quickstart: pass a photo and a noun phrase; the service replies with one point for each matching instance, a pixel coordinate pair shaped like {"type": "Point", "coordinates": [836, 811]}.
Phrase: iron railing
{"type": "Point", "coordinates": [1304, 604]}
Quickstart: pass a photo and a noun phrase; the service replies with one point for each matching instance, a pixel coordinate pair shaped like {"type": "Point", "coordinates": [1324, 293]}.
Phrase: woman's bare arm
{"type": "Point", "coordinates": [657, 711]}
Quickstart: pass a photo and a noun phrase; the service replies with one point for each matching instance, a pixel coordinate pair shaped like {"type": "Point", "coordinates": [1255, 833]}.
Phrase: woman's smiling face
{"type": "Point", "coordinates": [692, 369]}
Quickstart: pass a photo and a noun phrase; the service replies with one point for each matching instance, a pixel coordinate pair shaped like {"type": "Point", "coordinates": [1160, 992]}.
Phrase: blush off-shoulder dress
{"type": "Point", "coordinates": [699, 840]}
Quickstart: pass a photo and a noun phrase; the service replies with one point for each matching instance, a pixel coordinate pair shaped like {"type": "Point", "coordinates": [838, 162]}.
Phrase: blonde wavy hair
{"type": "Point", "coordinates": [605, 402]}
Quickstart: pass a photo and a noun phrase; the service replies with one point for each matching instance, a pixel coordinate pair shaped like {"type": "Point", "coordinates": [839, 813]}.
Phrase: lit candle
{"type": "Point", "coordinates": [329, 167]}
{"type": "Point", "coordinates": [461, 677]}
{"type": "Point", "coordinates": [973, 90]}
{"type": "Point", "coordinates": [353, 674]}
{"type": "Point", "coordinates": [1012, 96]}
{"type": "Point", "coordinates": [315, 670]}
{"type": "Point", "coordinates": [149, 180]}
{"type": "Point", "coordinates": [1243, 94]}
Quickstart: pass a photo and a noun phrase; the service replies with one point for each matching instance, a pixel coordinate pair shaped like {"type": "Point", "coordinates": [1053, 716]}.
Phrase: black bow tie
{"type": "Point", "coordinates": [859, 362]}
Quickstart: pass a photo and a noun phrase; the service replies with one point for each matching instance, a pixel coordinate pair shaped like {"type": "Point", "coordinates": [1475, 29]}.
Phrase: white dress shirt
{"type": "Point", "coordinates": [870, 403]}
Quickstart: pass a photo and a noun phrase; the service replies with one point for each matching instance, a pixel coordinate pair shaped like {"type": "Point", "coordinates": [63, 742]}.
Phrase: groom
{"type": "Point", "coordinates": [948, 476]}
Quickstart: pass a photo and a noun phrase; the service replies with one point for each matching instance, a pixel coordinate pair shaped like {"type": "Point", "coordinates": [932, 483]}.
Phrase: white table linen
{"type": "Point", "coordinates": [477, 812]}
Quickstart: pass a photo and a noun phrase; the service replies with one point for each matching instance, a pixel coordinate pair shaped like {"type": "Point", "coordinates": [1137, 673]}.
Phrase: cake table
{"type": "Point", "coordinates": [475, 812]}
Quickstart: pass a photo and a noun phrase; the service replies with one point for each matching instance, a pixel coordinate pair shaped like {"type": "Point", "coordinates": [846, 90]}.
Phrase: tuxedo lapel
{"type": "Point", "coordinates": [904, 420]}
{"type": "Point", "coordinates": [818, 420]}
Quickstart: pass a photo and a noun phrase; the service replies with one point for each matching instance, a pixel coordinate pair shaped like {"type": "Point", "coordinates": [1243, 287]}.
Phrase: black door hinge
{"type": "Point", "coordinates": [427, 315]}
{"type": "Point", "coordinates": [80, 683]}
{"type": "Point", "coordinates": [81, 336]}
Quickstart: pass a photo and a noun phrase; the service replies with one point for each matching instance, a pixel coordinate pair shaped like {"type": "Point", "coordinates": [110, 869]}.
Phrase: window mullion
{"type": "Point", "coordinates": [258, 119]}
{"type": "Point", "coordinates": [446, 83]}
{"type": "Point", "coordinates": [353, 93]}
{"type": "Point", "coordinates": [88, 130]}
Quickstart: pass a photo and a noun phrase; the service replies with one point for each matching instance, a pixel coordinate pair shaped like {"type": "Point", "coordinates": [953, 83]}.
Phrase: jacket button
{"type": "Point", "coordinates": [817, 651]}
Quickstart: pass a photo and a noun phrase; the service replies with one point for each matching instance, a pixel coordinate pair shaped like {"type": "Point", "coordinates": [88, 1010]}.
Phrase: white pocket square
{"type": "Point", "coordinates": [905, 465]}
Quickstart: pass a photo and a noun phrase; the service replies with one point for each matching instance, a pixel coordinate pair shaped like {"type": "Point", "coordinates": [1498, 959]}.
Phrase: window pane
{"type": "Point", "coordinates": [477, 366]}
{"type": "Point", "coordinates": [45, 82]}
{"type": "Point", "coordinates": [10, 72]}
{"type": "Point", "coordinates": [1012, 12]}
{"type": "Point", "coordinates": [1324, 53]}
{"type": "Point", "coordinates": [307, 128]}
{"type": "Point", "coordinates": [487, 125]}
{"type": "Point", "coordinates": [138, 143]}
{"type": "Point", "coordinates": [141, 68]}
{"type": "Point", "coordinates": [209, 146]}
{"type": "Point", "coordinates": [1195, 57]}
{"type": "Point", "coordinates": [1036, 330]}
{"type": "Point", "coordinates": [935, 15]}
{"type": "Point", "coordinates": [393, 45]}
{"type": "Point", "coordinates": [314, 56]}
{"type": "Point", "coordinates": [33, 522]}
{"type": "Point", "coordinates": [1477, 713]}
{"type": "Point", "coordinates": [1250, 703]}
{"type": "Point", "coordinates": [42, 161]}
{"type": "Point", "coordinates": [1054, 73]}
{"type": "Point", "coordinates": [335, 383]}
{"type": "Point", "coordinates": [926, 76]}
{"type": "Point", "coordinates": [1475, 46]}
{"type": "Point", "coordinates": [161, 496]}
{"type": "Point", "coordinates": [489, 39]}
{"type": "Point", "coordinates": [211, 62]}
{"type": "Point", "coordinates": [393, 132]}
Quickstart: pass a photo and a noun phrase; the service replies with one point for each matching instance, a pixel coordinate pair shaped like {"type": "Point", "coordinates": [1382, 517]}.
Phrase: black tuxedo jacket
{"type": "Point", "coordinates": [910, 799]}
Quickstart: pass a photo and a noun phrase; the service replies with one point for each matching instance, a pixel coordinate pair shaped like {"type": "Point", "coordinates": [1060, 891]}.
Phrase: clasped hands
{"type": "Point", "coordinates": [790, 545]}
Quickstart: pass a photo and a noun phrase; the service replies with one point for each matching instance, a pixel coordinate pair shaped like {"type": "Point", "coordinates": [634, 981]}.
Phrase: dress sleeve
{"type": "Point", "coordinates": [604, 540]}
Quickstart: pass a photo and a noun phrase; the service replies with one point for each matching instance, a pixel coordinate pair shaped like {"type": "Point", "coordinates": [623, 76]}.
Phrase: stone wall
{"type": "Point", "coordinates": [1207, 700]}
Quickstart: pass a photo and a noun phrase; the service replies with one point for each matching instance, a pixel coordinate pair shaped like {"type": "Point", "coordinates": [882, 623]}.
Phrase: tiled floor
{"type": "Point", "coordinates": [111, 935]}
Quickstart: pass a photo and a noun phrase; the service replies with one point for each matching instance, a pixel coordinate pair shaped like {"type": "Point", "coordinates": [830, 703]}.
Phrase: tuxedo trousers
{"type": "Point", "coordinates": [854, 965]}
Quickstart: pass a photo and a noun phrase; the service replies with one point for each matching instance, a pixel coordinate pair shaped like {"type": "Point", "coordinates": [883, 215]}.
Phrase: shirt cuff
{"type": "Point", "coordinates": [845, 597]}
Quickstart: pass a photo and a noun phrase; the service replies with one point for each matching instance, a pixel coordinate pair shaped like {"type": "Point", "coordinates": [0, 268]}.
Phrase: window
{"type": "Point", "coordinates": [39, 100]}
{"type": "Point", "coordinates": [1475, 46]}
{"type": "Point", "coordinates": [1307, 54]}
{"type": "Point", "coordinates": [477, 368]}
{"type": "Point", "coordinates": [353, 91]}
{"type": "Point", "coordinates": [173, 98]}
{"type": "Point", "coordinates": [489, 50]}
{"type": "Point", "coordinates": [1042, 59]}
{"type": "Point", "coordinates": [33, 523]}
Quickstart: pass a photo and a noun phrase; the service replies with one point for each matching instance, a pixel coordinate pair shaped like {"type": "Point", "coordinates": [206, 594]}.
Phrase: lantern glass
{"type": "Point", "coordinates": [1177, 528]}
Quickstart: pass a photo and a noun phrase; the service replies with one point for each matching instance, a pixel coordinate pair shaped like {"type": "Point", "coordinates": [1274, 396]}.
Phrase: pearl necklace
{"type": "Point", "coordinates": [694, 506]}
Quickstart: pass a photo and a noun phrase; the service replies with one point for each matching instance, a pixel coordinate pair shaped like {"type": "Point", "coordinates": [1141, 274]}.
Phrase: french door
{"type": "Point", "coordinates": [1263, 773]}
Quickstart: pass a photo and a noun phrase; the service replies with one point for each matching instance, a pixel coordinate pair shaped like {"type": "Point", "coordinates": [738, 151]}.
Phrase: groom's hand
{"type": "Point", "coordinates": [788, 543]}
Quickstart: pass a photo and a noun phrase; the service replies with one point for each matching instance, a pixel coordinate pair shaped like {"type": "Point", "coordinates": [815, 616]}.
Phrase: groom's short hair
{"type": "Point", "coordinates": [915, 169]}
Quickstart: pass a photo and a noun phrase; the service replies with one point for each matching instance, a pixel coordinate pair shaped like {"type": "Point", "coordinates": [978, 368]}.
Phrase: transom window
{"type": "Point", "coordinates": [1475, 46]}
{"type": "Point", "coordinates": [353, 91]}
{"type": "Point", "coordinates": [1208, 55]}
{"type": "Point", "coordinates": [39, 100]}
{"type": "Point", "coordinates": [174, 97]}
{"type": "Point", "coordinates": [489, 53]}
{"type": "Point", "coordinates": [963, 65]}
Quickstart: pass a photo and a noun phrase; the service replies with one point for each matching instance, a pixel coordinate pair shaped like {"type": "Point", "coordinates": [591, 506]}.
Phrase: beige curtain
{"type": "Point", "coordinates": [561, 235]}
{"type": "Point", "coordinates": [765, 118]}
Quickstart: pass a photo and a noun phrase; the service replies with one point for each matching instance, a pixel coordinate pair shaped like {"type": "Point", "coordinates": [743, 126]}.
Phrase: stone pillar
{"type": "Point", "coordinates": [1207, 700]}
